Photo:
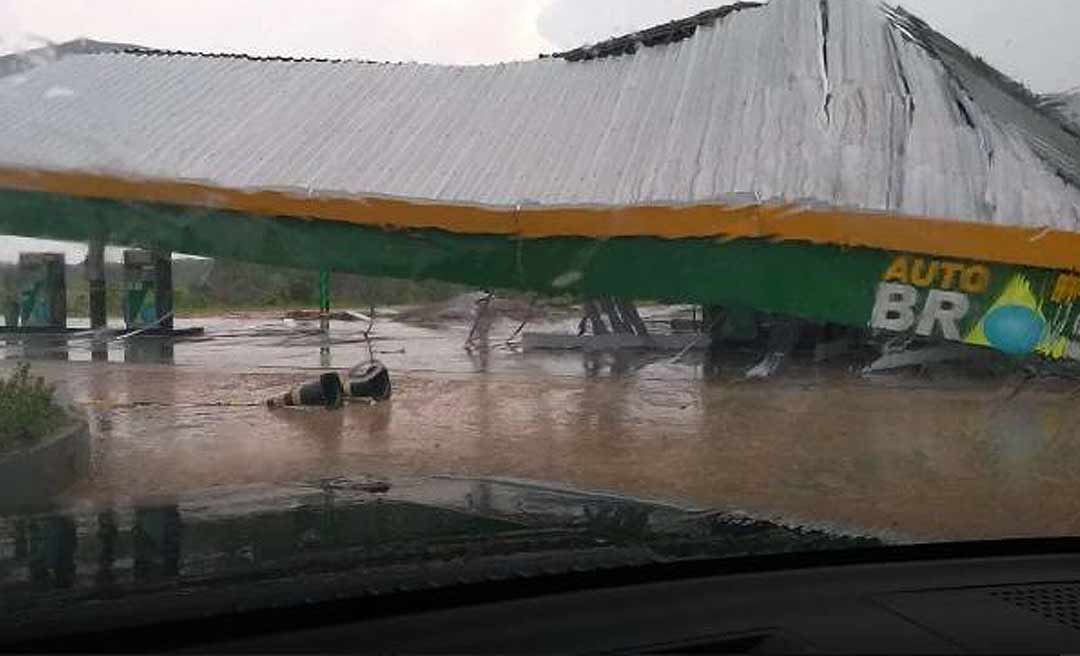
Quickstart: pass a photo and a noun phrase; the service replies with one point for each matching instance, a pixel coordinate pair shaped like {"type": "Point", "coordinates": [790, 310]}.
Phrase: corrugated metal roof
{"type": "Point", "coordinates": [24, 61]}
{"type": "Point", "coordinates": [833, 101]}
{"type": "Point", "coordinates": [1068, 105]}
{"type": "Point", "coordinates": [672, 32]}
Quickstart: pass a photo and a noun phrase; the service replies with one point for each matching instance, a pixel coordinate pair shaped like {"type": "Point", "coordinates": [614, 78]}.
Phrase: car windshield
{"type": "Point", "coordinates": [287, 288]}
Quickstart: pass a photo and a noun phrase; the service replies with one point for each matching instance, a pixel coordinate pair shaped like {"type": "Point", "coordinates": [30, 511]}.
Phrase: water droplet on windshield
{"type": "Point", "coordinates": [567, 279]}
{"type": "Point", "coordinates": [59, 92]}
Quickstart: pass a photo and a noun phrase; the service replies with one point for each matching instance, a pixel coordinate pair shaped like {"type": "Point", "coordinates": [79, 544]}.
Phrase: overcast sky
{"type": "Point", "coordinates": [1036, 41]}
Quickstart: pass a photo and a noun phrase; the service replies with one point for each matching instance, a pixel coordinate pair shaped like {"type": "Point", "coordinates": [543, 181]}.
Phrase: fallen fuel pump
{"type": "Point", "coordinates": [367, 382]}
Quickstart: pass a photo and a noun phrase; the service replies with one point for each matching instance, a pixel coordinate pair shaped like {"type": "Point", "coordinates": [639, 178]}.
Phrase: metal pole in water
{"type": "Point", "coordinates": [163, 289]}
{"type": "Point", "coordinates": [324, 316]}
{"type": "Point", "coordinates": [95, 280]}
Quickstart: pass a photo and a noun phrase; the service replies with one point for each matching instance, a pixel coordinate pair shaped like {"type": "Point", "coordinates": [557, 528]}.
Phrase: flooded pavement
{"type": "Point", "coordinates": [950, 456]}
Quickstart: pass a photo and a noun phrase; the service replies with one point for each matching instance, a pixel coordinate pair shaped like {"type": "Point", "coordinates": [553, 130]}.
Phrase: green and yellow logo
{"type": "Point", "coordinates": [1015, 323]}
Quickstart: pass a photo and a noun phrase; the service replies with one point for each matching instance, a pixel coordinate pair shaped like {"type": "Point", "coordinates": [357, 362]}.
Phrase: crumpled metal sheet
{"type": "Point", "coordinates": [825, 101]}
{"type": "Point", "coordinates": [1067, 105]}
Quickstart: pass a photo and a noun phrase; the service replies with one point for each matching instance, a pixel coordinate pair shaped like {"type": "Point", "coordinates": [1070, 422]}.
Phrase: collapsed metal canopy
{"type": "Point", "coordinates": [830, 101]}
{"type": "Point", "coordinates": [823, 159]}
{"type": "Point", "coordinates": [1068, 105]}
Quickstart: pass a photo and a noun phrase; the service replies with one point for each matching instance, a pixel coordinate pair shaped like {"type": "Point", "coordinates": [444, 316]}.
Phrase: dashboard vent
{"type": "Point", "coordinates": [1057, 602]}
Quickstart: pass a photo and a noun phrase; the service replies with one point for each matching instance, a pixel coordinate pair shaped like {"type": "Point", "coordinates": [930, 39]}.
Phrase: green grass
{"type": "Point", "coordinates": [28, 411]}
{"type": "Point", "coordinates": [208, 288]}
{"type": "Point", "coordinates": [206, 301]}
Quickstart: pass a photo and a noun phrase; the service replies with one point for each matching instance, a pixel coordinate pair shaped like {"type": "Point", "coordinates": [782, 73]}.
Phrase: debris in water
{"type": "Point", "coordinates": [783, 338]}
{"type": "Point", "coordinates": [929, 355]}
{"type": "Point", "coordinates": [768, 366]}
{"type": "Point", "coordinates": [372, 486]}
{"type": "Point", "coordinates": [481, 325]}
{"type": "Point", "coordinates": [369, 381]}
{"type": "Point", "coordinates": [328, 391]}
{"type": "Point", "coordinates": [315, 315]}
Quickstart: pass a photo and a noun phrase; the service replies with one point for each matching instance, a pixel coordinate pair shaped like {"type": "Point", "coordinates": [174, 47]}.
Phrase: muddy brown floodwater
{"type": "Point", "coordinates": [942, 457]}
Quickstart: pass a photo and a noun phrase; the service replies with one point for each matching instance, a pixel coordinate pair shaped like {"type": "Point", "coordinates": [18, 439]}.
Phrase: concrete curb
{"type": "Point", "coordinates": [31, 477]}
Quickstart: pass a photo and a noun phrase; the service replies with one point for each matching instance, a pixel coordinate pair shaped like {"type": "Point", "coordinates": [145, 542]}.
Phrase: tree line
{"type": "Point", "coordinates": [203, 285]}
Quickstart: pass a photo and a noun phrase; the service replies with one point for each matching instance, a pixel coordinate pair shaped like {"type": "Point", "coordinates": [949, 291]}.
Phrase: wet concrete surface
{"type": "Point", "coordinates": [945, 456]}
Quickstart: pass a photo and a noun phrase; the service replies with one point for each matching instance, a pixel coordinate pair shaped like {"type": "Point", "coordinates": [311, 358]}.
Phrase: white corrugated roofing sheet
{"type": "Point", "coordinates": [785, 101]}
{"type": "Point", "coordinates": [1070, 106]}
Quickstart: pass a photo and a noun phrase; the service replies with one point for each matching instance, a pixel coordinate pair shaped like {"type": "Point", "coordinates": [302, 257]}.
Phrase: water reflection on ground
{"type": "Point", "coordinates": [85, 568]}
{"type": "Point", "coordinates": [229, 531]}
{"type": "Point", "coordinates": [945, 456]}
